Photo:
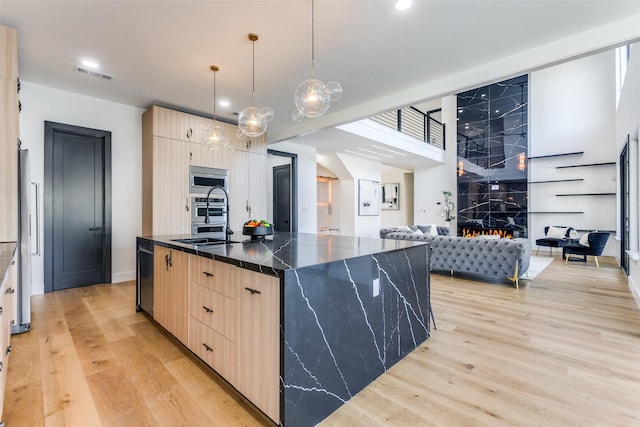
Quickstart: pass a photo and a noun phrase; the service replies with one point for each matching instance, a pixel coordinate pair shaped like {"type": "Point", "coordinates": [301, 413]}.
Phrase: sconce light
{"type": "Point", "coordinates": [214, 136]}
{"type": "Point", "coordinates": [460, 167]}
{"type": "Point", "coordinates": [522, 161]}
{"type": "Point", "coordinates": [253, 121]}
{"type": "Point", "coordinates": [313, 97]}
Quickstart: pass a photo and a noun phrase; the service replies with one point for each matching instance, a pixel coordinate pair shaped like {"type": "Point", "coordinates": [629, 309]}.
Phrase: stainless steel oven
{"type": "Point", "coordinates": [217, 209]}
{"type": "Point", "coordinates": [201, 179]}
{"type": "Point", "coordinates": [213, 229]}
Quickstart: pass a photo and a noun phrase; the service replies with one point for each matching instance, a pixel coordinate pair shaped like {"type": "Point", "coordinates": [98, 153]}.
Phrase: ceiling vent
{"type": "Point", "coordinates": [98, 74]}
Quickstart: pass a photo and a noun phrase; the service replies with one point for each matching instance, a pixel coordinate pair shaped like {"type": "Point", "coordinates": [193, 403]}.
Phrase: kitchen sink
{"type": "Point", "coordinates": [202, 241]}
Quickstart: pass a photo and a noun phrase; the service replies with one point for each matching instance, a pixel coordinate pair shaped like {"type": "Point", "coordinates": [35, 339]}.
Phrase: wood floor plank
{"type": "Point", "coordinates": [564, 350]}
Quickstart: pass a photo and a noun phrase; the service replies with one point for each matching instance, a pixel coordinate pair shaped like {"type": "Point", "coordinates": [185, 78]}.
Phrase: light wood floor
{"type": "Point", "coordinates": [564, 350]}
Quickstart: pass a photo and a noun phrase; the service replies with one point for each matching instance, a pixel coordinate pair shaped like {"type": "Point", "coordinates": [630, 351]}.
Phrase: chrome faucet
{"type": "Point", "coordinates": [228, 231]}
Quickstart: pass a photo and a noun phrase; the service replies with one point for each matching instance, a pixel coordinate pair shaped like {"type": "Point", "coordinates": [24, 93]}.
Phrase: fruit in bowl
{"type": "Point", "coordinates": [257, 223]}
{"type": "Point", "coordinates": [257, 229]}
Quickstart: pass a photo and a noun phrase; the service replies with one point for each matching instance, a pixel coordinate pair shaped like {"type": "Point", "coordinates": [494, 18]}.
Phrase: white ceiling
{"type": "Point", "coordinates": [160, 51]}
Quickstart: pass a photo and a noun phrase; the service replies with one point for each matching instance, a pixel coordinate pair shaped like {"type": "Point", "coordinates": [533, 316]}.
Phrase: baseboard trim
{"type": "Point", "coordinates": [635, 291]}
{"type": "Point", "coordinates": [123, 277]}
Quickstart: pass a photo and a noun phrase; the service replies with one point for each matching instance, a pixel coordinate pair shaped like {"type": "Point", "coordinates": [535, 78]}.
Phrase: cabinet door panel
{"type": "Point", "coordinates": [214, 349]}
{"type": "Point", "coordinates": [213, 309]}
{"type": "Point", "coordinates": [171, 210]}
{"type": "Point", "coordinates": [171, 124]}
{"type": "Point", "coordinates": [238, 189]}
{"type": "Point", "coordinates": [257, 190]}
{"type": "Point", "coordinates": [214, 275]}
{"type": "Point", "coordinates": [9, 56]}
{"type": "Point", "coordinates": [170, 289]}
{"type": "Point", "coordinates": [258, 342]}
{"type": "Point", "coordinates": [8, 160]}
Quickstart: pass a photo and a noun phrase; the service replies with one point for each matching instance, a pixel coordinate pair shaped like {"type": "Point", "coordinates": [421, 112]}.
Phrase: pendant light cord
{"type": "Point", "coordinates": [214, 96]}
{"type": "Point", "coordinates": [253, 71]}
{"type": "Point", "coordinates": [313, 41]}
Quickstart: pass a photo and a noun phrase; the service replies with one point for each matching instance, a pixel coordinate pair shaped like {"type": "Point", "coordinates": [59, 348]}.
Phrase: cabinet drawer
{"type": "Point", "coordinates": [213, 309]}
{"type": "Point", "coordinates": [214, 275]}
{"type": "Point", "coordinates": [214, 349]}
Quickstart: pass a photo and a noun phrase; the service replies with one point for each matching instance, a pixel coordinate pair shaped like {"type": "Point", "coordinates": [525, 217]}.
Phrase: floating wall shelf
{"type": "Point", "coordinates": [586, 165]}
{"type": "Point", "coordinates": [557, 212]}
{"type": "Point", "coordinates": [556, 180]}
{"type": "Point", "coordinates": [575, 153]}
{"type": "Point", "coordinates": [588, 194]}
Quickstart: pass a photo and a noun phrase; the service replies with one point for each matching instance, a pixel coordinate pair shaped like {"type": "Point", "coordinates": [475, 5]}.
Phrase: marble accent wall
{"type": "Point", "coordinates": [492, 156]}
{"type": "Point", "coordinates": [342, 330]}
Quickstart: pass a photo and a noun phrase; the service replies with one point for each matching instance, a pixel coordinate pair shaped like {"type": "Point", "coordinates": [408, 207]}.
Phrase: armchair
{"type": "Point", "coordinates": [597, 240]}
{"type": "Point", "coordinates": [556, 239]}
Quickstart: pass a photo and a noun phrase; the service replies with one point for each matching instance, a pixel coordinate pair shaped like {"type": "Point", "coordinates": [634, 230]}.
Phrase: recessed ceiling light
{"type": "Point", "coordinates": [89, 63]}
{"type": "Point", "coordinates": [483, 95]}
{"type": "Point", "coordinates": [361, 154]}
{"type": "Point", "coordinates": [375, 152]}
{"type": "Point", "coordinates": [387, 149]}
{"type": "Point", "coordinates": [403, 4]}
{"type": "Point", "coordinates": [497, 111]}
{"type": "Point", "coordinates": [224, 103]}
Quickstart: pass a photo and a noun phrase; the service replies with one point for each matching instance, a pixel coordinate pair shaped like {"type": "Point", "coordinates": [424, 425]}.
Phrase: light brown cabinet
{"type": "Point", "coordinates": [234, 326]}
{"type": "Point", "coordinates": [7, 302]}
{"type": "Point", "coordinates": [177, 125]}
{"type": "Point", "coordinates": [167, 153]}
{"type": "Point", "coordinates": [258, 355]}
{"type": "Point", "coordinates": [248, 184]}
{"type": "Point", "coordinates": [9, 134]}
{"type": "Point", "coordinates": [170, 290]}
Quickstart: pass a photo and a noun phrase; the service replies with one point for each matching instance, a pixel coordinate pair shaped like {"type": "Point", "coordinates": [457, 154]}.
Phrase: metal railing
{"type": "Point", "coordinates": [414, 123]}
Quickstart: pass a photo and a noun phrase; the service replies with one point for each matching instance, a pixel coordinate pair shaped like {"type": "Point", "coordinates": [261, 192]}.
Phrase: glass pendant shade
{"type": "Point", "coordinates": [252, 122]}
{"type": "Point", "coordinates": [214, 136]}
{"type": "Point", "coordinates": [313, 98]}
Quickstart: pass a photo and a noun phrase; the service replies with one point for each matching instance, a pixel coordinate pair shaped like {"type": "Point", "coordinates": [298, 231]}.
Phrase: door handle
{"type": "Point", "coordinates": [95, 229]}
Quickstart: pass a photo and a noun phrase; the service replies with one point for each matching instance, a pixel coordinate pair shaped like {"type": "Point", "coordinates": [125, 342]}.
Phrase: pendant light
{"type": "Point", "coordinates": [213, 135]}
{"type": "Point", "coordinates": [253, 121]}
{"type": "Point", "coordinates": [312, 96]}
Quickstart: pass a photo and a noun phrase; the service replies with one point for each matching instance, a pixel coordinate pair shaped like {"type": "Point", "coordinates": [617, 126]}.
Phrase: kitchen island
{"type": "Point", "coordinates": [304, 321]}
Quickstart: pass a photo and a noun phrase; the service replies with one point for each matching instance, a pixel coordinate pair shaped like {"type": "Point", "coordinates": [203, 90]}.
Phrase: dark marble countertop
{"type": "Point", "coordinates": [284, 251]}
{"type": "Point", "coordinates": [7, 250]}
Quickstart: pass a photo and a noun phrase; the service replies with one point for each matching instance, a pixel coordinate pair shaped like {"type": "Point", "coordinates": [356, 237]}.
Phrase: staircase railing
{"type": "Point", "coordinates": [414, 123]}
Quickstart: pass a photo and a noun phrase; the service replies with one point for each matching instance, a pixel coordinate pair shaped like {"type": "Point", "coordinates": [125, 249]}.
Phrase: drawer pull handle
{"type": "Point", "coordinates": [11, 291]}
{"type": "Point", "coordinates": [0, 310]}
{"type": "Point", "coordinates": [206, 273]}
{"type": "Point", "coordinates": [253, 291]}
{"type": "Point", "coordinates": [207, 309]}
{"type": "Point", "coordinates": [8, 350]}
{"type": "Point", "coordinates": [206, 347]}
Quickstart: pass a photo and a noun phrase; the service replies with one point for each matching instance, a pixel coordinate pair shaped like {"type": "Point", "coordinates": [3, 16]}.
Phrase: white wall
{"type": "Point", "coordinates": [404, 215]}
{"type": "Point", "coordinates": [572, 108]}
{"type": "Point", "coordinates": [40, 104]}
{"type": "Point", "coordinates": [628, 123]}
{"type": "Point", "coordinates": [430, 182]}
{"type": "Point", "coordinates": [307, 190]}
{"type": "Point", "coordinates": [352, 224]}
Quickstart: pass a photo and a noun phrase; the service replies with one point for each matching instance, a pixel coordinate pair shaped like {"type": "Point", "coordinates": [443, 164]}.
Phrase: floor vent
{"type": "Point", "coordinates": [98, 74]}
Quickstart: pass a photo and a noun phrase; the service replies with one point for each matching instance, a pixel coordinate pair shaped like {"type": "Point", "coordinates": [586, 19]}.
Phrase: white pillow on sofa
{"type": "Point", "coordinates": [431, 229]}
{"type": "Point", "coordinates": [584, 239]}
{"type": "Point", "coordinates": [403, 228]}
{"type": "Point", "coordinates": [556, 232]}
{"type": "Point", "coordinates": [418, 232]}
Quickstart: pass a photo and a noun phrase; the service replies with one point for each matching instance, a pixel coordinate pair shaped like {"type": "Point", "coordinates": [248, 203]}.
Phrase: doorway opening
{"type": "Point", "coordinates": [284, 210]}
{"type": "Point", "coordinates": [77, 206]}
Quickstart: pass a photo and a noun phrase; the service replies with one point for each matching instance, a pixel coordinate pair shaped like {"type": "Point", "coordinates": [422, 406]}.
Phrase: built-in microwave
{"type": "Point", "coordinates": [201, 179]}
{"type": "Point", "coordinates": [215, 229]}
{"type": "Point", "coordinates": [217, 209]}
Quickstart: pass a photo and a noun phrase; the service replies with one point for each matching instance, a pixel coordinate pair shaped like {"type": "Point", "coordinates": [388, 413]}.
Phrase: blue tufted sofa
{"type": "Point", "coordinates": [499, 258]}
